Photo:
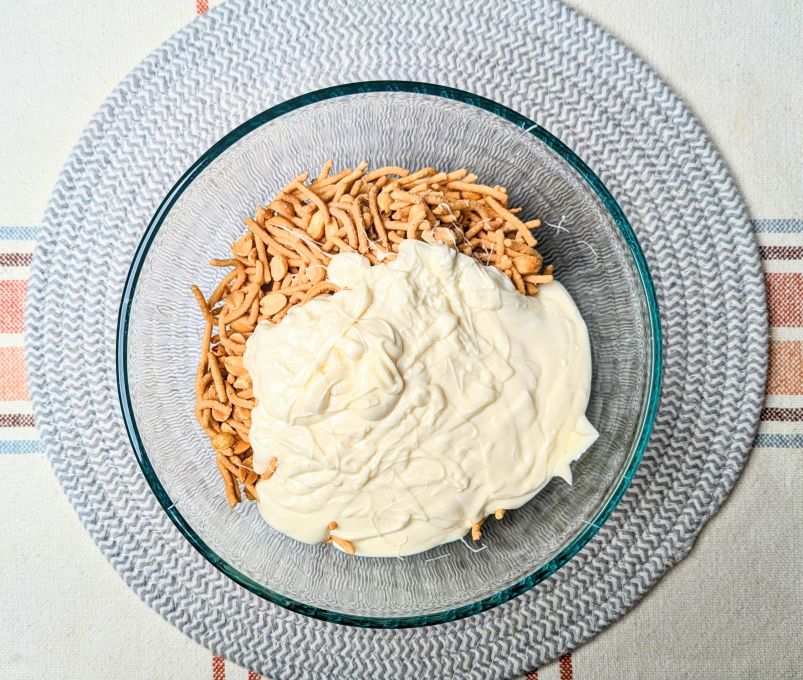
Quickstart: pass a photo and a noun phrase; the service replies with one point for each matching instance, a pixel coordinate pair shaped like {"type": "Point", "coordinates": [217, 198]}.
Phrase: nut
{"type": "Point", "coordinates": [242, 247]}
{"type": "Point", "coordinates": [272, 303]}
{"type": "Point", "coordinates": [235, 299]}
{"type": "Point", "coordinates": [527, 264]}
{"type": "Point", "coordinates": [242, 325]}
{"type": "Point", "coordinates": [222, 441]}
{"type": "Point", "coordinates": [234, 364]}
{"type": "Point", "coordinates": [316, 227]}
{"type": "Point", "coordinates": [242, 382]}
{"type": "Point", "coordinates": [242, 414]}
{"type": "Point", "coordinates": [241, 447]}
{"type": "Point", "coordinates": [278, 267]}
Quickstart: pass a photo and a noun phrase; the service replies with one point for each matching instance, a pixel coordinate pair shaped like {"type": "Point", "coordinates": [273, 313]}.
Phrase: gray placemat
{"type": "Point", "coordinates": [539, 58]}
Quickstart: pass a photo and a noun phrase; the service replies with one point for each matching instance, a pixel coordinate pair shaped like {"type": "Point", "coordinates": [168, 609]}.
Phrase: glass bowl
{"type": "Point", "coordinates": [585, 235]}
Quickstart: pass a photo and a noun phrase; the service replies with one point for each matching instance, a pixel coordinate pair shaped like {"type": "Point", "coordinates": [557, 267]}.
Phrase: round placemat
{"type": "Point", "coordinates": [539, 58]}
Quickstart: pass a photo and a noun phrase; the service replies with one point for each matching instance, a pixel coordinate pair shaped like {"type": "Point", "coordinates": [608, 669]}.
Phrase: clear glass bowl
{"type": "Point", "coordinates": [585, 235]}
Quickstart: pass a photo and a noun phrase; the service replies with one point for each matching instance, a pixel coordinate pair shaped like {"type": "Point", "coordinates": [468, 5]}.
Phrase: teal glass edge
{"type": "Point", "coordinates": [645, 426]}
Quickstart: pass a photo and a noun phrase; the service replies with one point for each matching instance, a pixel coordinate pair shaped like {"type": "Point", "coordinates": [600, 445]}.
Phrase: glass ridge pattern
{"type": "Point", "coordinates": [654, 338]}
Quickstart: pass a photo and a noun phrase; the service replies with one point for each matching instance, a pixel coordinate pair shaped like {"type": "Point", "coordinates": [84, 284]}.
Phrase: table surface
{"type": "Point", "coordinates": [733, 608]}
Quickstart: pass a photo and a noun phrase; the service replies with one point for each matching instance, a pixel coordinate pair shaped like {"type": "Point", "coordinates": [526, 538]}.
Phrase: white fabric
{"type": "Point", "coordinates": [733, 608]}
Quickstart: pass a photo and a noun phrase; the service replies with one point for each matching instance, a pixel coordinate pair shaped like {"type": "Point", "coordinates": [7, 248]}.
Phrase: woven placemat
{"type": "Point", "coordinates": [539, 58]}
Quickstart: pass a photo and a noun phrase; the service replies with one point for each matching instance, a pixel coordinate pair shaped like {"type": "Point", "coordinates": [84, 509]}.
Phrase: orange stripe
{"type": "Point", "coordinates": [218, 668]}
{"type": "Point", "coordinates": [12, 298]}
{"type": "Point", "coordinates": [12, 375]}
{"type": "Point", "coordinates": [785, 298]}
{"type": "Point", "coordinates": [201, 6]}
{"type": "Point", "coordinates": [566, 672]}
{"type": "Point", "coordinates": [786, 367]}
{"type": "Point", "coordinates": [254, 676]}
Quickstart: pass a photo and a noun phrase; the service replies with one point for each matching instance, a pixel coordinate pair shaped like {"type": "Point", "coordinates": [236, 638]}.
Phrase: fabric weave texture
{"type": "Point", "coordinates": [539, 58]}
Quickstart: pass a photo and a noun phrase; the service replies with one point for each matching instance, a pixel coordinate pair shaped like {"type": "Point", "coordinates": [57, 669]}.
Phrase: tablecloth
{"type": "Point", "coordinates": [733, 608]}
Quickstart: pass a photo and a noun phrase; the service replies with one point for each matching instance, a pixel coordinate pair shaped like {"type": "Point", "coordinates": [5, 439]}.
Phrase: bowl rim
{"type": "Point", "coordinates": [645, 424]}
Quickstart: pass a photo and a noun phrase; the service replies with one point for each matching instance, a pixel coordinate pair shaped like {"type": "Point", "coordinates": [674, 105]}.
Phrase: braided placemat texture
{"type": "Point", "coordinates": [539, 58]}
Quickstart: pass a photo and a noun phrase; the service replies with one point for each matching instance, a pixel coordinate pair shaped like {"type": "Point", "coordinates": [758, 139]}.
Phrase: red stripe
{"type": "Point", "coordinates": [15, 259]}
{"type": "Point", "coordinates": [778, 414]}
{"type": "Point", "coordinates": [785, 298]}
{"type": "Point", "coordinates": [254, 676]}
{"type": "Point", "coordinates": [12, 297]}
{"type": "Point", "coordinates": [566, 672]}
{"type": "Point", "coordinates": [781, 252]}
{"type": "Point", "coordinates": [532, 675]}
{"type": "Point", "coordinates": [201, 6]}
{"type": "Point", "coordinates": [16, 420]}
{"type": "Point", "coordinates": [218, 668]}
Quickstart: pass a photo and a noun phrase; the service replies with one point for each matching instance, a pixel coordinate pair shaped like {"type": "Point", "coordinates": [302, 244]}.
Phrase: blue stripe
{"type": "Point", "coordinates": [19, 233]}
{"type": "Point", "coordinates": [779, 441]}
{"type": "Point", "coordinates": [19, 446]}
{"type": "Point", "coordinates": [779, 226]}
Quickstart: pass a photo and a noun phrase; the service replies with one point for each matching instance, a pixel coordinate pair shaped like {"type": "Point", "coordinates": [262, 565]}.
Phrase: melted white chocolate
{"type": "Point", "coordinates": [417, 400]}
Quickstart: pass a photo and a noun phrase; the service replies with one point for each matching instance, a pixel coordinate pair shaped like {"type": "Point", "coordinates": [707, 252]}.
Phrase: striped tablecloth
{"type": "Point", "coordinates": [733, 608]}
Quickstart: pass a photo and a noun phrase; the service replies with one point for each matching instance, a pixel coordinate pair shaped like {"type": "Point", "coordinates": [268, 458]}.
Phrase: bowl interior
{"type": "Point", "coordinates": [162, 330]}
